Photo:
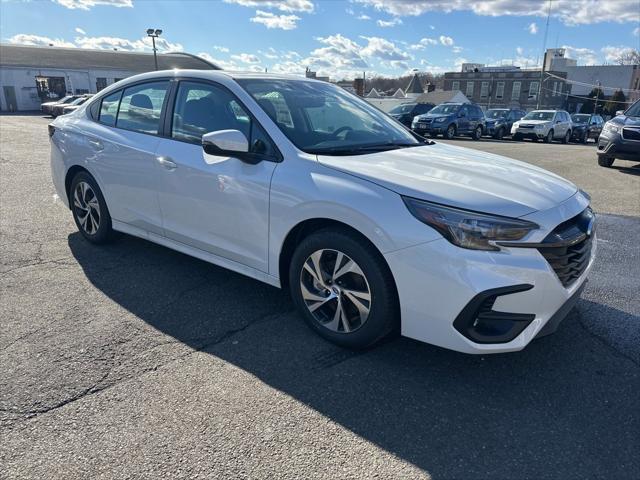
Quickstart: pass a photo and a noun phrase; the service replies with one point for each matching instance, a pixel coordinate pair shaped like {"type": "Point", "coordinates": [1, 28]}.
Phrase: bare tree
{"type": "Point", "coordinates": [628, 57]}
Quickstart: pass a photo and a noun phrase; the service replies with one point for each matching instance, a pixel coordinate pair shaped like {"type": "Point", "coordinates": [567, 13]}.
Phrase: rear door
{"type": "Point", "coordinates": [123, 142]}
{"type": "Point", "coordinates": [464, 119]}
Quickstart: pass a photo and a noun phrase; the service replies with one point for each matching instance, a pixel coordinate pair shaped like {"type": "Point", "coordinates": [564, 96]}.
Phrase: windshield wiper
{"type": "Point", "coordinates": [361, 149]}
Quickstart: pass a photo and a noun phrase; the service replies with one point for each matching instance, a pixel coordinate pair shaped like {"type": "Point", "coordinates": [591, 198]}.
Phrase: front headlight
{"type": "Point", "coordinates": [610, 128]}
{"type": "Point", "coordinates": [540, 126]}
{"type": "Point", "coordinates": [468, 229]}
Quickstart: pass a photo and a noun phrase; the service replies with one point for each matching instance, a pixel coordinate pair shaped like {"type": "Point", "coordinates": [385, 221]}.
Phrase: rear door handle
{"type": "Point", "coordinates": [96, 144]}
{"type": "Point", "coordinates": [167, 163]}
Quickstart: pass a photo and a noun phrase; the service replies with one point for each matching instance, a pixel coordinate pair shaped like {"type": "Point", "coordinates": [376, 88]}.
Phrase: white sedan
{"type": "Point", "coordinates": [301, 185]}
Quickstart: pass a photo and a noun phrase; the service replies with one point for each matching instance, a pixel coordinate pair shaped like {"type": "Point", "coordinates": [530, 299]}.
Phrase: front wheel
{"type": "Point", "coordinates": [549, 137]}
{"type": "Point", "coordinates": [343, 288]}
{"type": "Point", "coordinates": [450, 132]}
{"type": "Point", "coordinates": [477, 133]}
{"type": "Point", "coordinates": [89, 209]}
{"type": "Point", "coordinates": [585, 137]}
{"type": "Point", "coordinates": [605, 161]}
{"type": "Point", "coordinates": [499, 134]}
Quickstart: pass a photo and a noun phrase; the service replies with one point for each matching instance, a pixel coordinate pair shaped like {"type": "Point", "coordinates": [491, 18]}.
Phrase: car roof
{"type": "Point", "coordinates": [216, 74]}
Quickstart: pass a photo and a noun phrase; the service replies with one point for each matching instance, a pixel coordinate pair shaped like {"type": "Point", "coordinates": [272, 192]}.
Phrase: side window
{"type": "Point", "coordinates": [465, 110]}
{"type": "Point", "coordinates": [109, 108]}
{"type": "Point", "coordinates": [424, 108]}
{"type": "Point", "coordinates": [478, 112]}
{"type": "Point", "coordinates": [202, 108]}
{"type": "Point", "coordinates": [141, 106]}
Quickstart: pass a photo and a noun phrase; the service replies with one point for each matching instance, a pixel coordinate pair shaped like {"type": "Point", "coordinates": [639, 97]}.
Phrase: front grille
{"type": "Point", "coordinates": [526, 126]}
{"type": "Point", "coordinates": [631, 133]}
{"type": "Point", "coordinates": [569, 249]}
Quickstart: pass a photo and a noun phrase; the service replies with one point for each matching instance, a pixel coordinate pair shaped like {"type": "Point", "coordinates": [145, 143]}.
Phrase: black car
{"type": "Point", "coordinates": [404, 113]}
{"type": "Point", "coordinates": [450, 120]}
{"type": "Point", "coordinates": [499, 121]}
{"type": "Point", "coordinates": [620, 137]}
{"type": "Point", "coordinates": [586, 126]}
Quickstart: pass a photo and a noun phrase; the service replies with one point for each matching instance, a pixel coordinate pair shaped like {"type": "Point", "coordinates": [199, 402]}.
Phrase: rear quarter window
{"type": "Point", "coordinates": [109, 108]}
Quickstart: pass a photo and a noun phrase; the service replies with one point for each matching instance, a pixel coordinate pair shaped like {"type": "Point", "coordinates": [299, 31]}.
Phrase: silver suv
{"type": "Point", "coordinates": [546, 125]}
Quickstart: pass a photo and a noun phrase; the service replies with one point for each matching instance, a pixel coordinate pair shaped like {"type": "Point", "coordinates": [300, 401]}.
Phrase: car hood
{"type": "Point", "coordinates": [624, 121]}
{"type": "Point", "coordinates": [459, 177]}
{"type": "Point", "coordinates": [434, 115]}
{"type": "Point", "coordinates": [533, 122]}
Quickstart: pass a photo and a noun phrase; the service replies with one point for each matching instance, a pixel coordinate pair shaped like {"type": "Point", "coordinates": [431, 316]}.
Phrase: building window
{"type": "Point", "coordinates": [455, 86]}
{"type": "Point", "coordinates": [515, 91]}
{"type": "Point", "coordinates": [500, 90]}
{"type": "Point", "coordinates": [81, 91]}
{"type": "Point", "coordinates": [533, 90]}
{"type": "Point", "coordinates": [101, 83]}
{"type": "Point", "coordinates": [484, 90]}
{"type": "Point", "coordinates": [469, 89]}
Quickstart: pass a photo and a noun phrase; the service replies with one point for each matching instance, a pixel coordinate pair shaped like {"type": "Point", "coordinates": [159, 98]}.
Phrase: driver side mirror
{"type": "Point", "coordinates": [228, 143]}
{"type": "Point", "coordinates": [619, 112]}
{"type": "Point", "coordinates": [462, 114]}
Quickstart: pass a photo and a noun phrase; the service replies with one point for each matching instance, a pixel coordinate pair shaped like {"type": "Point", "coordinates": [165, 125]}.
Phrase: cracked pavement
{"type": "Point", "coordinates": [133, 361]}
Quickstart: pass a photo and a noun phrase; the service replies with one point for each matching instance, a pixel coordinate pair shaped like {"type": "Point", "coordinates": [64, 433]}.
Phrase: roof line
{"type": "Point", "coordinates": [203, 60]}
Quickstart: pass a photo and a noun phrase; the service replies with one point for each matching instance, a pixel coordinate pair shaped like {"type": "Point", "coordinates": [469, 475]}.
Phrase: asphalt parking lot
{"type": "Point", "coordinates": [133, 361]}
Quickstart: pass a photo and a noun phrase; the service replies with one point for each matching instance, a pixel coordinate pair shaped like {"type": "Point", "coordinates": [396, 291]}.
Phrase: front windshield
{"type": "Point", "coordinates": [634, 110]}
{"type": "Point", "coordinates": [537, 115]}
{"type": "Point", "coordinates": [496, 113]}
{"type": "Point", "coordinates": [68, 99]}
{"type": "Point", "coordinates": [320, 117]}
{"type": "Point", "coordinates": [445, 108]}
{"type": "Point", "coordinates": [406, 108]}
{"type": "Point", "coordinates": [580, 118]}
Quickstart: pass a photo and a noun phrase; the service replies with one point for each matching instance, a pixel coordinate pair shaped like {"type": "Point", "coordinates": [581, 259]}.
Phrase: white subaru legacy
{"type": "Point", "coordinates": [304, 186]}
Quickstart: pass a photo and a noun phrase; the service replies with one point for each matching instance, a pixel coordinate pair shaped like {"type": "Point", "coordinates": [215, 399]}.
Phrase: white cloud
{"type": "Point", "coordinates": [37, 40]}
{"type": "Point", "coordinates": [220, 48]}
{"type": "Point", "coordinates": [636, 31]}
{"type": "Point", "coordinates": [612, 53]}
{"type": "Point", "coordinates": [304, 6]}
{"type": "Point", "coordinates": [423, 43]}
{"type": "Point", "coordinates": [570, 12]}
{"type": "Point", "coordinates": [533, 28]}
{"type": "Point", "coordinates": [389, 23]}
{"type": "Point", "coordinates": [246, 58]}
{"type": "Point", "coordinates": [271, 20]}
{"type": "Point", "coordinates": [584, 56]}
{"type": "Point", "coordinates": [519, 50]}
{"type": "Point", "coordinates": [384, 50]}
{"type": "Point", "coordinates": [87, 4]}
{"type": "Point", "coordinates": [80, 31]}
{"type": "Point", "coordinates": [457, 49]}
{"type": "Point", "coordinates": [444, 40]}
{"type": "Point", "coordinates": [224, 64]}
{"type": "Point", "coordinates": [364, 17]}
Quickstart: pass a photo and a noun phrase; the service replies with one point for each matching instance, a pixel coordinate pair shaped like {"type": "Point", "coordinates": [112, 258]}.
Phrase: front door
{"type": "Point", "coordinates": [213, 203]}
{"type": "Point", "coordinates": [10, 98]}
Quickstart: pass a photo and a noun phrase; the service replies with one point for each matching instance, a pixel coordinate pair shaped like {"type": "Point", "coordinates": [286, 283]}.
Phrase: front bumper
{"type": "Point", "coordinates": [617, 147]}
{"type": "Point", "coordinates": [529, 133]}
{"type": "Point", "coordinates": [437, 282]}
{"type": "Point", "coordinates": [428, 128]}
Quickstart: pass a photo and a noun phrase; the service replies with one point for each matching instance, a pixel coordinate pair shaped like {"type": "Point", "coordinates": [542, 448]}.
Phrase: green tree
{"type": "Point", "coordinates": [589, 106]}
{"type": "Point", "coordinates": [615, 103]}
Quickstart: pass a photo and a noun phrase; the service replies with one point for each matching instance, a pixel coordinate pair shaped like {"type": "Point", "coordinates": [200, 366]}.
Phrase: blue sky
{"type": "Point", "coordinates": [336, 38]}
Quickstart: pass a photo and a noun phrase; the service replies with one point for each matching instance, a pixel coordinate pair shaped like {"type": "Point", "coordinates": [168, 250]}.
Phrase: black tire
{"type": "Point", "coordinates": [499, 134]}
{"type": "Point", "coordinates": [567, 137]}
{"type": "Point", "coordinates": [549, 137]}
{"type": "Point", "coordinates": [383, 317]}
{"type": "Point", "coordinates": [450, 132]}
{"type": "Point", "coordinates": [477, 133]}
{"type": "Point", "coordinates": [104, 232]}
{"type": "Point", "coordinates": [517, 137]}
{"type": "Point", "coordinates": [585, 137]}
{"type": "Point", "coordinates": [605, 161]}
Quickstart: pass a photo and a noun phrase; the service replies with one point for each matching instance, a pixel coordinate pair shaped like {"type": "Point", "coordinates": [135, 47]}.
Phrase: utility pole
{"type": "Point", "coordinates": [154, 33]}
{"type": "Point", "coordinates": [544, 47]}
{"type": "Point", "coordinates": [595, 109]}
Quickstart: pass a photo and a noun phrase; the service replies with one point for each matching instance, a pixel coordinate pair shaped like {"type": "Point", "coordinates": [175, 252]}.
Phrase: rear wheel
{"type": "Point", "coordinates": [605, 161]}
{"type": "Point", "coordinates": [585, 137]}
{"type": "Point", "coordinates": [89, 209]}
{"type": "Point", "coordinates": [343, 289]}
{"type": "Point", "coordinates": [499, 134]}
{"type": "Point", "coordinates": [450, 132]}
{"type": "Point", "coordinates": [517, 137]}
{"type": "Point", "coordinates": [567, 137]}
{"type": "Point", "coordinates": [549, 137]}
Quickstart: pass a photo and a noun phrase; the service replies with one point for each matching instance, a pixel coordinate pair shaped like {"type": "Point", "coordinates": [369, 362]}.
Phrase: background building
{"type": "Point", "coordinates": [31, 75]}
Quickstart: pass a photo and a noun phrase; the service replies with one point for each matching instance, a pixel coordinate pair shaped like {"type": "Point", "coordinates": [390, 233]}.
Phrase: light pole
{"type": "Point", "coordinates": [154, 33]}
{"type": "Point", "coordinates": [595, 109]}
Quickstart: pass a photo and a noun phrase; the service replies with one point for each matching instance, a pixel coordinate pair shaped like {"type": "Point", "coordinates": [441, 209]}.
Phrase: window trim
{"type": "Point", "coordinates": [170, 108]}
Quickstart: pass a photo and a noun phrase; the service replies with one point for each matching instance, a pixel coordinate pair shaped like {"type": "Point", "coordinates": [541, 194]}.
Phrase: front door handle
{"type": "Point", "coordinates": [96, 144]}
{"type": "Point", "coordinates": [167, 163]}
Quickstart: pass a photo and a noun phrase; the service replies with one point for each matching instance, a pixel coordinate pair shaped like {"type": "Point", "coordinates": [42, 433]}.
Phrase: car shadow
{"type": "Point", "coordinates": [562, 408]}
{"type": "Point", "coordinates": [633, 170]}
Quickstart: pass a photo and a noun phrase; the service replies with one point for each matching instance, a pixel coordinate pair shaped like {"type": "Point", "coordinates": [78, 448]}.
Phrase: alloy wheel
{"type": "Point", "coordinates": [86, 208]}
{"type": "Point", "coordinates": [335, 290]}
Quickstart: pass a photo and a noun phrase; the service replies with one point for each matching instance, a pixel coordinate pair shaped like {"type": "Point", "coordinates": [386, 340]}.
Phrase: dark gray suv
{"type": "Point", "coordinates": [500, 120]}
{"type": "Point", "coordinates": [450, 120]}
{"type": "Point", "coordinates": [620, 137]}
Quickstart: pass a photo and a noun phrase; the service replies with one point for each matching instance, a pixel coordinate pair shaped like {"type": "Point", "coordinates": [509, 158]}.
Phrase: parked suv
{"type": "Point", "coordinates": [404, 113]}
{"type": "Point", "coordinates": [302, 185]}
{"type": "Point", "coordinates": [620, 137]}
{"type": "Point", "coordinates": [586, 126]}
{"type": "Point", "coordinates": [547, 125]}
{"type": "Point", "coordinates": [451, 119]}
{"type": "Point", "coordinates": [499, 121]}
